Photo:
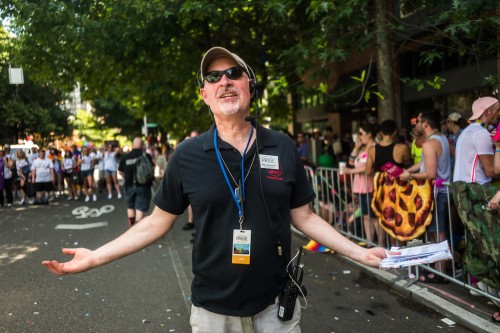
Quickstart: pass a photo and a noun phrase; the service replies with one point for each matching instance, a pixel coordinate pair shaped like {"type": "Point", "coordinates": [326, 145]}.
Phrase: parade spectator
{"type": "Point", "coordinates": [15, 178]}
{"type": "Point", "coordinates": [58, 172]}
{"type": "Point", "coordinates": [161, 164]}
{"type": "Point", "coordinates": [315, 143]}
{"type": "Point", "coordinates": [42, 176]}
{"type": "Point", "coordinates": [337, 149]}
{"type": "Point", "coordinates": [347, 144]}
{"type": "Point", "coordinates": [86, 164]}
{"type": "Point", "coordinates": [99, 159]}
{"type": "Point", "coordinates": [69, 166]}
{"type": "Point", "coordinates": [302, 148]}
{"type": "Point", "coordinates": [455, 124]}
{"type": "Point", "coordinates": [325, 160]}
{"type": "Point", "coordinates": [474, 154]}
{"type": "Point", "coordinates": [23, 169]}
{"type": "Point", "coordinates": [435, 164]}
{"type": "Point", "coordinates": [404, 137]}
{"type": "Point", "coordinates": [231, 291]}
{"type": "Point", "coordinates": [362, 184]}
{"type": "Point", "coordinates": [417, 142]}
{"type": "Point", "coordinates": [33, 155]}
{"type": "Point", "coordinates": [7, 179]}
{"type": "Point", "coordinates": [77, 178]}
{"type": "Point", "coordinates": [444, 128]}
{"type": "Point", "coordinates": [327, 143]}
{"type": "Point", "coordinates": [387, 150]}
{"type": "Point", "coordinates": [110, 168]}
{"type": "Point", "coordinates": [137, 196]}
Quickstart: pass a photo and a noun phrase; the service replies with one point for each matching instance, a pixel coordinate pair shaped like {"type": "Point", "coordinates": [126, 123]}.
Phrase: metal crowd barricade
{"type": "Point", "coordinates": [337, 205]}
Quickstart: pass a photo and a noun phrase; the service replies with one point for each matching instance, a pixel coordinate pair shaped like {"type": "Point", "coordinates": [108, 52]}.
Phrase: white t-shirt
{"type": "Point", "coordinates": [86, 162]}
{"type": "Point", "coordinates": [20, 164]}
{"type": "Point", "coordinates": [100, 156]}
{"type": "Point", "coordinates": [32, 157]}
{"type": "Point", "coordinates": [110, 161]}
{"type": "Point", "coordinates": [474, 141]}
{"type": "Point", "coordinates": [42, 170]}
{"type": "Point", "coordinates": [6, 170]}
{"type": "Point", "coordinates": [68, 163]}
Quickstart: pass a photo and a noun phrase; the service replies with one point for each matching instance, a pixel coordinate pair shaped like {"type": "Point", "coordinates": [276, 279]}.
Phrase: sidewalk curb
{"type": "Point", "coordinates": [423, 296]}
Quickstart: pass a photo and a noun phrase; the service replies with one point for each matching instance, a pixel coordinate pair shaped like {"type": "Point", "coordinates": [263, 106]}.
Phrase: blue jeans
{"type": "Point", "coordinates": [440, 216]}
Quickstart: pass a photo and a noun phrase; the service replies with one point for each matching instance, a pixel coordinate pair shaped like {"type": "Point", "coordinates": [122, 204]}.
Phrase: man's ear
{"type": "Point", "coordinates": [204, 95]}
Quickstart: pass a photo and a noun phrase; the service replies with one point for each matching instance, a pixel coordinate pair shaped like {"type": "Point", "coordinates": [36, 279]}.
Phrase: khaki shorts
{"type": "Point", "coordinates": [203, 321]}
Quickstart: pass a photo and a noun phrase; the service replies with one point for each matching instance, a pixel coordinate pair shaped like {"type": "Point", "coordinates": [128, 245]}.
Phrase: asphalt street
{"type": "Point", "coordinates": [150, 291]}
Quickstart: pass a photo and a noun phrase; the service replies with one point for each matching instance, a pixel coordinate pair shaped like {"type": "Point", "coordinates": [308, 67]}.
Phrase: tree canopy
{"type": "Point", "coordinates": [137, 57]}
{"type": "Point", "coordinates": [29, 107]}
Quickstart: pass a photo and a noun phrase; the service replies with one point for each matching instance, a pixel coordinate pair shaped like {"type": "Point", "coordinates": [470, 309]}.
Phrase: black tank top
{"type": "Point", "coordinates": [384, 155]}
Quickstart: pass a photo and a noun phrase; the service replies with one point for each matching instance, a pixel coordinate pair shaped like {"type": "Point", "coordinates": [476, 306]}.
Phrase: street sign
{"type": "Point", "coordinates": [16, 76]}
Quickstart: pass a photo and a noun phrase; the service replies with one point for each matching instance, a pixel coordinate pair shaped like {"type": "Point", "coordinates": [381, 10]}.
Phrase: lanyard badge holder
{"type": "Point", "coordinates": [241, 237]}
{"type": "Point", "coordinates": [293, 288]}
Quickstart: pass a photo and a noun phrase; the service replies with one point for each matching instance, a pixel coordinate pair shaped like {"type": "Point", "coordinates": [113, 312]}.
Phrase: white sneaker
{"type": "Point", "coordinates": [31, 201]}
{"type": "Point", "coordinates": [70, 198]}
{"type": "Point", "coordinates": [9, 205]}
{"type": "Point", "coordinates": [94, 197]}
{"type": "Point", "coordinates": [119, 195]}
{"type": "Point", "coordinates": [480, 285]}
{"type": "Point", "coordinates": [87, 198]}
{"type": "Point", "coordinates": [76, 198]}
{"type": "Point", "coordinates": [110, 196]}
{"type": "Point", "coordinates": [21, 202]}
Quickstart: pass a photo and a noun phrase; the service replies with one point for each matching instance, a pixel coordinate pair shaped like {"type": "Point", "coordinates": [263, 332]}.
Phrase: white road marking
{"type": "Point", "coordinates": [82, 226]}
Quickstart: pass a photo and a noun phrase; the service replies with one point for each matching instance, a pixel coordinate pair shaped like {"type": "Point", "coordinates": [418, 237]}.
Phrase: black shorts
{"type": "Point", "coordinates": [44, 187]}
{"type": "Point", "coordinates": [138, 198]}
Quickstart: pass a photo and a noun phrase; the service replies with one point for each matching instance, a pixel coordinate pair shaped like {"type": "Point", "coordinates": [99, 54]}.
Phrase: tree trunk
{"type": "Point", "coordinates": [385, 64]}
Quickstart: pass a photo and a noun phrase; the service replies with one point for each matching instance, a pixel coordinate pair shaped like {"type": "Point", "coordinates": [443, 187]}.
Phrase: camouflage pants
{"type": "Point", "coordinates": [482, 252]}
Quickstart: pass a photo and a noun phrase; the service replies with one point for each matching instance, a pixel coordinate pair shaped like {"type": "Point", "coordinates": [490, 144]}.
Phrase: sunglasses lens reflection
{"type": "Point", "coordinates": [232, 73]}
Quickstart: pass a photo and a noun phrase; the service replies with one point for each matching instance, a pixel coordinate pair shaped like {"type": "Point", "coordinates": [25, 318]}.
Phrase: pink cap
{"type": "Point", "coordinates": [480, 105]}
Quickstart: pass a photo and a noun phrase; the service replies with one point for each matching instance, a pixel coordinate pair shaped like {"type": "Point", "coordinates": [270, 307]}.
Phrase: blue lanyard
{"type": "Point", "coordinates": [242, 195]}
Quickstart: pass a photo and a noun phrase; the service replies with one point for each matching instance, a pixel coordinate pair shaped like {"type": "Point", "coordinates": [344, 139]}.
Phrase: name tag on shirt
{"type": "Point", "coordinates": [269, 162]}
{"type": "Point", "coordinates": [241, 247]}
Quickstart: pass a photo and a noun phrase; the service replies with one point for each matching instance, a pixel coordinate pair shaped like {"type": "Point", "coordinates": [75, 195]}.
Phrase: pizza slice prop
{"type": "Point", "coordinates": [404, 209]}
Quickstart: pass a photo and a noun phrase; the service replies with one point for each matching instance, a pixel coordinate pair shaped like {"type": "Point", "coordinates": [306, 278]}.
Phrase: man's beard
{"type": "Point", "coordinates": [229, 108]}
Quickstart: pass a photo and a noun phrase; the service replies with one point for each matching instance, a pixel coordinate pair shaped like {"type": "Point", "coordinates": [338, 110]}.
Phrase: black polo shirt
{"type": "Point", "coordinates": [194, 176]}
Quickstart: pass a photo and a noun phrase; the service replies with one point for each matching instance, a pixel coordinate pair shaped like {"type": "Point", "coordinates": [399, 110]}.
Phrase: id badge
{"type": "Point", "coordinates": [269, 162]}
{"type": "Point", "coordinates": [241, 247]}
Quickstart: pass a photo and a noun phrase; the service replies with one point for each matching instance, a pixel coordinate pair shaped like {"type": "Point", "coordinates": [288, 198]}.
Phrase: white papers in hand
{"type": "Point", "coordinates": [416, 255]}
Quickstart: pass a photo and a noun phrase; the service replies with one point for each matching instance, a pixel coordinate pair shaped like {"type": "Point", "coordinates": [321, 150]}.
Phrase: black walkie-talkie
{"type": "Point", "coordinates": [288, 295]}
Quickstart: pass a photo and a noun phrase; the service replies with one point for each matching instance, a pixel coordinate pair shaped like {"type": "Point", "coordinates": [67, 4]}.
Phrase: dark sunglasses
{"type": "Point", "coordinates": [232, 73]}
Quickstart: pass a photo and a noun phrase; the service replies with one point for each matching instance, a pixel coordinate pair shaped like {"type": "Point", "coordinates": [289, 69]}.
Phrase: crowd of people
{"type": "Point", "coordinates": [459, 149]}
{"type": "Point", "coordinates": [44, 175]}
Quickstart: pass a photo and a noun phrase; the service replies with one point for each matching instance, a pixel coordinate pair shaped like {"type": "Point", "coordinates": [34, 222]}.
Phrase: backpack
{"type": "Point", "coordinates": [143, 170]}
